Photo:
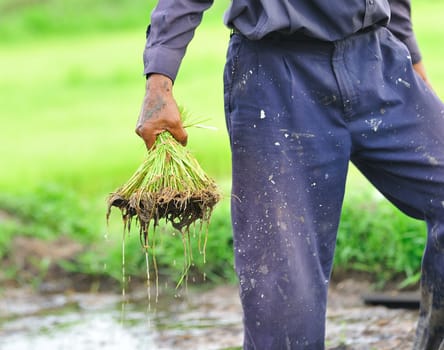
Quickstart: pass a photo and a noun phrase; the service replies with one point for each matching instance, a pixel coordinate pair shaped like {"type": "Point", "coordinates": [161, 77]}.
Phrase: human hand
{"type": "Point", "coordinates": [159, 112]}
{"type": "Point", "coordinates": [420, 69]}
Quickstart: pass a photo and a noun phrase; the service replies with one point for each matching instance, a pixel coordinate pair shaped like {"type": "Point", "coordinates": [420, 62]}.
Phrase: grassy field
{"type": "Point", "coordinates": [71, 85]}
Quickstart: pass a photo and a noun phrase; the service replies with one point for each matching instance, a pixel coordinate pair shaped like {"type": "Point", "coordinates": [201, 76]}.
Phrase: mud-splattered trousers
{"type": "Point", "coordinates": [297, 112]}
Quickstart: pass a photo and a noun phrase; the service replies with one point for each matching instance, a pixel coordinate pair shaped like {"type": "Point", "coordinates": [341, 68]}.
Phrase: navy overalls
{"type": "Point", "coordinates": [297, 112]}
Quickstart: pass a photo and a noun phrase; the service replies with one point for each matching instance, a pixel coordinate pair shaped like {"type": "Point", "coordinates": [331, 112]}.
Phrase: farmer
{"type": "Point", "coordinates": [309, 86]}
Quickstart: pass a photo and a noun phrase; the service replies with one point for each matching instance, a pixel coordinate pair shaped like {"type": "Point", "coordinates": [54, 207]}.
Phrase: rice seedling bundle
{"type": "Point", "coordinates": [169, 185]}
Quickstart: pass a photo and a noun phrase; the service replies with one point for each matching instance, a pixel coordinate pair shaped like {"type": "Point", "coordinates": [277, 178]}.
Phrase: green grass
{"type": "Point", "coordinates": [71, 86]}
{"type": "Point", "coordinates": [25, 20]}
{"type": "Point", "coordinates": [378, 240]}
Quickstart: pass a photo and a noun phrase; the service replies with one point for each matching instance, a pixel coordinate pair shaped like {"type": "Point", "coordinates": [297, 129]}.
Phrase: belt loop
{"type": "Point", "coordinates": [234, 31]}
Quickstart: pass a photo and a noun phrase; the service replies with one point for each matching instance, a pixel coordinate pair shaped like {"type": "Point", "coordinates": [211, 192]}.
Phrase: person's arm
{"type": "Point", "coordinates": [172, 27]}
{"type": "Point", "coordinates": [401, 26]}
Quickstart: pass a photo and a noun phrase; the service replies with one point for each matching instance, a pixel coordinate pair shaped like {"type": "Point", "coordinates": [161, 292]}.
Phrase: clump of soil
{"type": "Point", "coordinates": [181, 209]}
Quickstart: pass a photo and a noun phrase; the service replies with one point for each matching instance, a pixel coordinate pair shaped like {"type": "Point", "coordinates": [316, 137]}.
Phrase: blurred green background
{"type": "Point", "coordinates": [71, 86]}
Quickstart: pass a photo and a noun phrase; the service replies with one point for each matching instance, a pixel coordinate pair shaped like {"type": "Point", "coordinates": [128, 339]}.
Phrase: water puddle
{"type": "Point", "coordinates": [202, 319]}
{"type": "Point", "coordinates": [101, 321]}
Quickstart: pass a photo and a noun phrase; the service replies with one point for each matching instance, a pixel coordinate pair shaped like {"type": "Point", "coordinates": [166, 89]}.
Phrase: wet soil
{"type": "Point", "coordinates": [74, 311]}
{"type": "Point", "coordinates": [198, 319]}
{"type": "Point", "coordinates": [353, 325]}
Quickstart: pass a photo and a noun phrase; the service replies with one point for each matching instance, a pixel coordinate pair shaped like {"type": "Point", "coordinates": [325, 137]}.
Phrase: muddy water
{"type": "Point", "coordinates": [198, 320]}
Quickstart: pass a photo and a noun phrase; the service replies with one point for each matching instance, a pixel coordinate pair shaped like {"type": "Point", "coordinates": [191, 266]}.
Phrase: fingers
{"type": "Point", "coordinates": [179, 134]}
{"type": "Point", "coordinates": [420, 69]}
{"type": "Point", "coordinates": [149, 133]}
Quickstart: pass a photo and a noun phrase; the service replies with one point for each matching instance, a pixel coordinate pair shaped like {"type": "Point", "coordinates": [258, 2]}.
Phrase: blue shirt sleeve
{"type": "Point", "coordinates": [172, 27]}
{"type": "Point", "coordinates": [401, 26]}
{"type": "Point", "coordinates": [173, 23]}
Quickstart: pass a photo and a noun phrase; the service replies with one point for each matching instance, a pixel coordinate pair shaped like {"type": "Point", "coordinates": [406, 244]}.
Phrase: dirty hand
{"type": "Point", "coordinates": [159, 112]}
{"type": "Point", "coordinates": [420, 69]}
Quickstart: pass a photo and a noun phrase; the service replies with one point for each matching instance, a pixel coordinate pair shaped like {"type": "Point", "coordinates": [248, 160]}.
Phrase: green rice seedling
{"type": "Point", "coordinates": [171, 185]}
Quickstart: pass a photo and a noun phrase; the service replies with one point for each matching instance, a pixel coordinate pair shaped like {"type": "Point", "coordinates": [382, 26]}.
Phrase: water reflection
{"type": "Point", "coordinates": [100, 321]}
{"type": "Point", "coordinates": [200, 320]}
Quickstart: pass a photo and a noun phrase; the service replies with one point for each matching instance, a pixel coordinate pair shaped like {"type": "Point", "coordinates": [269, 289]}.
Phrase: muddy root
{"type": "Point", "coordinates": [180, 209]}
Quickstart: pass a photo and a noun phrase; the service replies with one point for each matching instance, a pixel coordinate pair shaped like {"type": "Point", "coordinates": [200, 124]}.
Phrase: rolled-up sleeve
{"type": "Point", "coordinates": [172, 27]}
{"type": "Point", "coordinates": [401, 26]}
